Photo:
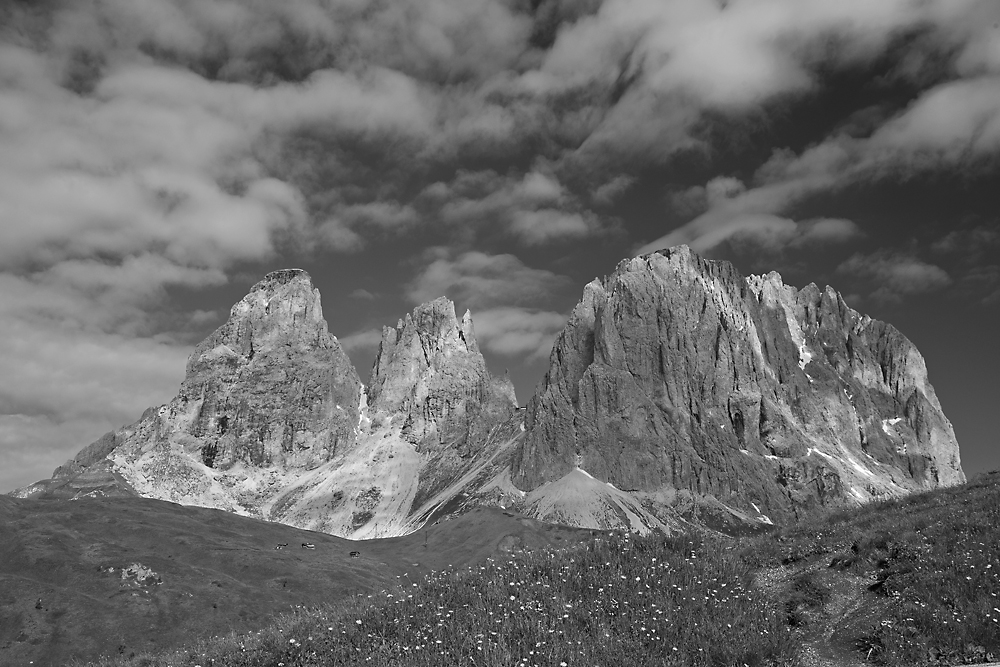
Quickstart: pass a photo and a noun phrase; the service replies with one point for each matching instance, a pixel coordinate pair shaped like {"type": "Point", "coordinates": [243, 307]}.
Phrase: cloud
{"type": "Point", "coordinates": [956, 124]}
{"type": "Point", "coordinates": [970, 242]}
{"type": "Point", "coordinates": [360, 342]}
{"type": "Point", "coordinates": [895, 275]}
{"type": "Point", "coordinates": [773, 234]}
{"type": "Point", "coordinates": [361, 294]}
{"type": "Point", "coordinates": [984, 282]}
{"type": "Point", "coordinates": [155, 146]}
{"type": "Point", "coordinates": [435, 39]}
{"type": "Point", "coordinates": [739, 216]}
{"type": "Point", "coordinates": [665, 64]}
{"type": "Point", "coordinates": [71, 387]}
{"type": "Point", "coordinates": [478, 280]}
{"type": "Point", "coordinates": [974, 247]}
{"type": "Point", "coordinates": [954, 121]}
{"type": "Point", "coordinates": [519, 333]}
{"type": "Point", "coordinates": [534, 209]}
{"type": "Point", "coordinates": [544, 225]}
{"type": "Point", "coordinates": [610, 191]}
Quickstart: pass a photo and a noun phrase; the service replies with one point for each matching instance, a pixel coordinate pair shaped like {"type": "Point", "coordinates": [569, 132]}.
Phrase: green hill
{"type": "Point", "coordinates": [906, 582]}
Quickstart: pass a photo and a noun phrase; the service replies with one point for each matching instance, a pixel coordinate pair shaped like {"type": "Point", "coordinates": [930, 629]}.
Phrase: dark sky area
{"type": "Point", "coordinates": [158, 157]}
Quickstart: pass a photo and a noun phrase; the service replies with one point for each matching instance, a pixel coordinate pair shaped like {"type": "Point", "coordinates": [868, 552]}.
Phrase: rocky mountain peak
{"type": "Point", "coordinates": [428, 347]}
{"type": "Point", "coordinates": [676, 377]}
{"type": "Point", "coordinates": [281, 310]}
{"type": "Point", "coordinates": [677, 387]}
{"type": "Point", "coordinates": [429, 369]}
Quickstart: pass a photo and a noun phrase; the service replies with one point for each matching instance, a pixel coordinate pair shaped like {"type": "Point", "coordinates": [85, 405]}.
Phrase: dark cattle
{"type": "Point", "coordinates": [355, 554]}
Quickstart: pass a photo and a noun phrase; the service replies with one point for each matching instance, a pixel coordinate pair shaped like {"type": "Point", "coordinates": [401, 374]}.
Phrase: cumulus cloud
{"type": "Point", "coordinates": [664, 64]}
{"type": "Point", "coordinates": [956, 124]}
{"type": "Point", "coordinates": [737, 214]}
{"type": "Point", "coordinates": [544, 225]}
{"type": "Point", "coordinates": [895, 275]}
{"type": "Point", "coordinates": [519, 333]}
{"type": "Point", "coordinates": [66, 388]}
{"type": "Point", "coordinates": [362, 294]}
{"type": "Point", "coordinates": [479, 280]}
{"type": "Point", "coordinates": [361, 342]}
{"type": "Point", "coordinates": [154, 146]}
{"type": "Point", "coordinates": [953, 122]}
{"type": "Point", "coordinates": [507, 299]}
{"type": "Point", "coordinates": [535, 209]}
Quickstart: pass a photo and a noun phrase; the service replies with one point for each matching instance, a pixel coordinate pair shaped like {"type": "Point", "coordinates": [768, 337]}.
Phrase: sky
{"type": "Point", "coordinates": [158, 157]}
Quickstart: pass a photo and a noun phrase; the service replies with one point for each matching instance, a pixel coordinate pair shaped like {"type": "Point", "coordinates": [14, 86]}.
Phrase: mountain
{"type": "Point", "coordinates": [131, 576]}
{"type": "Point", "coordinates": [688, 386]}
{"type": "Point", "coordinates": [679, 390]}
{"type": "Point", "coordinates": [272, 421]}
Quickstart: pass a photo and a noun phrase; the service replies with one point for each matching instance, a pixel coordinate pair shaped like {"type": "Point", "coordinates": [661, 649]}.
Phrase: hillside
{"type": "Point", "coordinates": [905, 582]}
{"type": "Point", "coordinates": [132, 575]}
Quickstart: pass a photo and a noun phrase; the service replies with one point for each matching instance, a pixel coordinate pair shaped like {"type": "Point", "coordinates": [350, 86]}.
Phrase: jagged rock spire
{"type": "Point", "coordinates": [429, 368]}
{"type": "Point", "coordinates": [676, 374]}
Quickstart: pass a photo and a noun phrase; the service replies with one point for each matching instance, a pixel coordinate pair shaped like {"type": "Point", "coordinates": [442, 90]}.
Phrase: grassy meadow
{"type": "Point", "coordinates": [906, 582]}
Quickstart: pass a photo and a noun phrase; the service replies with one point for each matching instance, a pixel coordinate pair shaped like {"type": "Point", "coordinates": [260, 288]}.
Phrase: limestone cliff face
{"type": "Point", "coordinates": [429, 369]}
{"type": "Point", "coordinates": [267, 396]}
{"type": "Point", "coordinates": [272, 421]}
{"type": "Point", "coordinates": [431, 380]}
{"type": "Point", "coordinates": [272, 385]}
{"type": "Point", "coordinates": [678, 388]}
{"type": "Point", "coordinates": [681, 381]}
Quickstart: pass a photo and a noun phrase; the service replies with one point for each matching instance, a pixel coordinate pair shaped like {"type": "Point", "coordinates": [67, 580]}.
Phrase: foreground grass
{"type": "Point", "coordinates": [934, 564]}
{"type": "Point", "coordinates": [623, 601]}
{"type": "Point", "coordinates": [931, 562]}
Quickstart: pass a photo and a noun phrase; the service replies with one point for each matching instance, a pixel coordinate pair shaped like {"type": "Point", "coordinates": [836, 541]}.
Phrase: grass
{"type": "Point", "coordinates": [933, 563]}
{"type": "Point", "coordinates": [930, 564]}
{"type": "Point", "coordinates": [624, 601]}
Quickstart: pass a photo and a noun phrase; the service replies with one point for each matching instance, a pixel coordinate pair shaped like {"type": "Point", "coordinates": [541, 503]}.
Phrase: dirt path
{"type": "Point", "coordinates": [846, 599]}
{"type": "Point", "coordinates": [848, 605]}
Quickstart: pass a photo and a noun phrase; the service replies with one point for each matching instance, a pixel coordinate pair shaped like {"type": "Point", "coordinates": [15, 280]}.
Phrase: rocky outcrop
{"type": "Point", "coordinates": [271, 386]}
{"type": "Point", "coordinates": [267, 396]}
{"type": "Point", "coordinates": [434, 425]}
{"type": "Point", "coordinates": [688, 385]}
{"type": "Point", "coordinates": [272, 421]}
{"type": "Point", "coordinates": [429, 368]}
{"type": "Point", "coordinates": [678, 389]}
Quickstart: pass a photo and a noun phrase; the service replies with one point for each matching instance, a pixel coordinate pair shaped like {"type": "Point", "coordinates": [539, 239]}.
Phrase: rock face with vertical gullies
{"type": "Point", "coordinates": [272, 385]}
{"type": "Point", "coordinates": [678, 390]}
{"type": "Point", "coordinates": [691, 387]}
{"type": "Point", "coordinates": [272, 421]}
{"type": "Point", "coordinates": [429, 368]}
{"type": "Point", "coordinates": [430, 380]}
{"type": "Point", "coordinates": [268, 395]}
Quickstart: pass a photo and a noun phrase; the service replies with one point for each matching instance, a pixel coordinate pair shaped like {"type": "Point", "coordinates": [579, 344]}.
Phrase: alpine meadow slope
{"type": "Point", "coordinates": [679, 391]}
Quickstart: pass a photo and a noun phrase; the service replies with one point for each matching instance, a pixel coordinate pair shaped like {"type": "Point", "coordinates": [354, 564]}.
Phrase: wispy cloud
{"type": "Point", "coordinates": [152, 146]}
{"type": "Point", "coordinates": [478, 280]}
{"type": "Point", "coordinates": [893, 275]}
{"type": "Point", "coordinates": [519, 333]}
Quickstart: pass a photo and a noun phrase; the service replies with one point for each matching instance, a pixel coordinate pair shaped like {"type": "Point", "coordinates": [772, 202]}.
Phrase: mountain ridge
{"type": "Point", "coordinates": [678, 391]}
{"type": "Point", "coordinates": [736, 388]}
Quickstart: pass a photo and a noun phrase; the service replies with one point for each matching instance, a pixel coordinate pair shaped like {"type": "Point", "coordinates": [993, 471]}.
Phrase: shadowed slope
{"type": "Point", "coordinates": [680, 381]}
{"type": "Point", "coordinates": [102, 576]}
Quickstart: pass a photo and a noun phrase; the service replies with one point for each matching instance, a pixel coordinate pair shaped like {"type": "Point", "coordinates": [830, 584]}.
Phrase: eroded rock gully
{"type": "Point", "coordinates": [678, 390]}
